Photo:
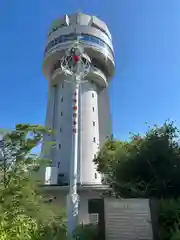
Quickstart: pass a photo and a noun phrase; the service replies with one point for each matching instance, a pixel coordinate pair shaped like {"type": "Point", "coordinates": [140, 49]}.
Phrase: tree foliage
{"type": "Point", "coordinates": [23, 212]}
{"type": "Point", "coordinates": [145, 166]}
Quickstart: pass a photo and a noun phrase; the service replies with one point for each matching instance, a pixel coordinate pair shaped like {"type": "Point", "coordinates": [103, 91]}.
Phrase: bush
{"type": "Point", "coordinates": [169, 219]}
{"type": "Point", "coordinates": [86, 232]}
{"type": "Point", "coordinates": [55, 230]}
{"type": "Point", "coordinates": [24, 215]}
{"type": "Point", "coordinates": [175, 235]}
{"type": "Point", "coordinates": [21, 227]}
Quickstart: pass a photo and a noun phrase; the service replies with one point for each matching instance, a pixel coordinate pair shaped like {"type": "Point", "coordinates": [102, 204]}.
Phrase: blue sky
{"type": "Point", "coordinates": [146, 38]}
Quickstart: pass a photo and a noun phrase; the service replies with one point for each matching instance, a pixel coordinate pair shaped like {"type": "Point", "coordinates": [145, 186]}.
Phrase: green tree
{"type": "Point", "coordinates": [23, 212]}
{"type": "Point", "coordinates": [145, 166]}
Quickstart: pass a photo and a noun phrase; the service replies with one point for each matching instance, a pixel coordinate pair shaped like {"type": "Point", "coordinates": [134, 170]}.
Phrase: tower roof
{"type": "Point", "coordinates": [82, 19]}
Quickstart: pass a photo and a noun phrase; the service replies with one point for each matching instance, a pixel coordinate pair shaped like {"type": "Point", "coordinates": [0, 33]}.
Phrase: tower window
{"type": "Point", "coordinates": [62, 85]}
{"type": "Point", "coordinates": [95, 175]}
{"type": "Point", "coordinates": [61, 175]}
{"type": "Point", "coordinates": [59, 146]}
{"type": "Point", "coordinates": [60, 129]}
{"type": "Point", "coordinates": [93, 95]}
{"type": "Point", "coordinates": [58, 164]}
{"type": "Point", "coordinates": [93, 109]}
{"type": "Point", "coordinates": [94, 139]}
{"type": "Point", "coordinates": [94, 123]}
{"type": "Point", "coordinates": [94, 156]}
{"type": "Point", "coordinates": [62, 99]}
{"type": "Point", "coordinates": [61, 113]}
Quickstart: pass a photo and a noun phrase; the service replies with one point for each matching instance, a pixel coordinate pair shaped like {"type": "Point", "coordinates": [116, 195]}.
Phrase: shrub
{"type": "Point", "coordinates": [169, 219]}
{"type": "Point", "coordinates": [23, 213]}
{"type": "Point", "coordinates": [86, 232]}
{"type": "Point", "coordinates": [175, 235]}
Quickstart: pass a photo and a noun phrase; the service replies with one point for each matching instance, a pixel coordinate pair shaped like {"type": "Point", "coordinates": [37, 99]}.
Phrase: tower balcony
{"type": "Point", "coordinates": [100, 54]}
{"type": "Point", "coordinates": [95, 75]}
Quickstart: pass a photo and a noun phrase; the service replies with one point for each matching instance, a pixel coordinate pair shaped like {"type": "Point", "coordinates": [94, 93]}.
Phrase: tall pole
{"type": "Point", "coordinates": [77, 64]}
{"type": "Point", "coordinates": [73, 198]}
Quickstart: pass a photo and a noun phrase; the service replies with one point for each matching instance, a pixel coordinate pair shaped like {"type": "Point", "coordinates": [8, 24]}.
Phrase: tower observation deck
{"type": "Point", "coordinates": [94, 111]}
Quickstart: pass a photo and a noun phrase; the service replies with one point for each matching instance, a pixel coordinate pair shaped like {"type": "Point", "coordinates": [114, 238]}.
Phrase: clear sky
{"type": "Point", "coordinates": [146, 38]}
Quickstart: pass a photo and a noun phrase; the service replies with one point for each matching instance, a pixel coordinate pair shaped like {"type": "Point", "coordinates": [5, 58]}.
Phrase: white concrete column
{"type": "Point", "coordinates": [63, 128]}
{"type": "Point", "coordinates": [89, 134]}
{"type": "Point", "coordinates": [105, 128]}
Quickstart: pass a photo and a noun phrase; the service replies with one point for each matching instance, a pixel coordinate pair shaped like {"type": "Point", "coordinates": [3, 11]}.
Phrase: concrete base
{"type": "Point", "coordinates": [86, 192]}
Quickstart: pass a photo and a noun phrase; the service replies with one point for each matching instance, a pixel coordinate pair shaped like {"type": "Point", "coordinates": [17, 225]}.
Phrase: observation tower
{"type": "Point", "coordinates": [94, 119]}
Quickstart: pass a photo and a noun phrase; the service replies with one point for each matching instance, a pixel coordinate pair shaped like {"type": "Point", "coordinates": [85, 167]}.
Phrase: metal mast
{"type": "Point", "coordinates": [76, 64]}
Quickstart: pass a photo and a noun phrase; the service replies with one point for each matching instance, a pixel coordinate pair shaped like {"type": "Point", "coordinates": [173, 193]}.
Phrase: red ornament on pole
{"type": "Point", "coordinates": [76, 58]}
{"type": "Point", "coordinates": [75, 108]}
